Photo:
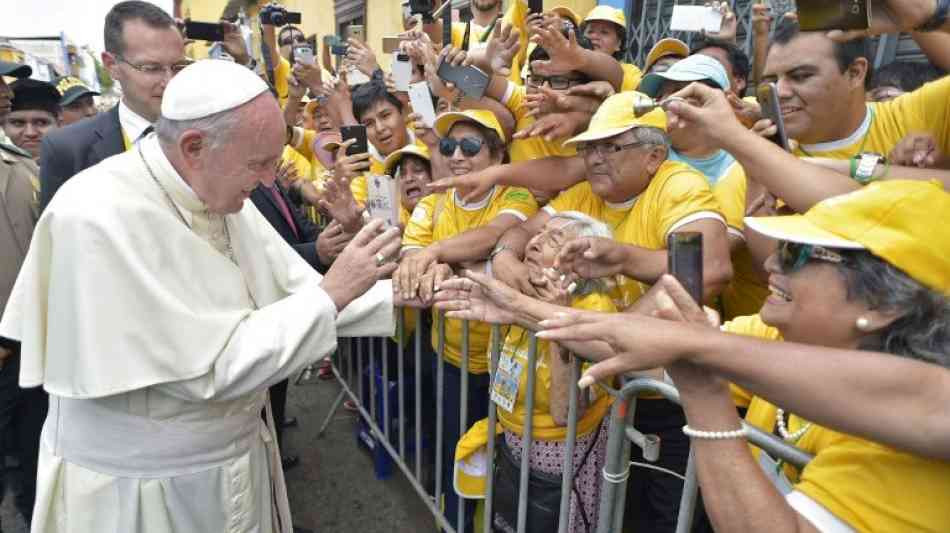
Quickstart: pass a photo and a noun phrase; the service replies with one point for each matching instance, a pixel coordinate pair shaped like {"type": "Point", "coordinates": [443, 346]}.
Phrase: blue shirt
{"type": "Point", "coordinates": [714, 168]}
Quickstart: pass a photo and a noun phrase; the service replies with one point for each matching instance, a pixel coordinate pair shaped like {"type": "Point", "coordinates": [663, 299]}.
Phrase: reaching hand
{"type": "Point", "coordinates": [423, 132]}
{"type": "Point", "coordinates": [555, 126]}
{"type": "Point", "coordinates": [309, 76]}
{"type": "Point", "coordinates": [430, 281]}
{"type": "Point", "coordinates": [286, 173]}
{"type": "Point", "coordinates": [502, 48]}
{"type": "Point", "coordinates": [359, 266]}
{"type": "Point", "coordinates": [705, 112]}
{"type": "Point", "coordinates": [477, 297]}
{"type": "Point", "coordinates": [331, 242]}
{"type": "Point", "coordinates": [507, 268]}
{"type": "Point", "coordinates": [591, 258]}
{"type": "Point", "coordinates": [916, 150]}
{"type": "Point", "coordinates": [361, 56]}
{"type": "Point", "coordinates": [411, 269]}
{"type": "Point", "coordinates": [565, 54]}
{"type": "Point", "coordinates": [339, 203]}
{"type": "Point", "coordinates": [350, 166]}
{"type": "Point", "coordinates": [554, 288]}
{"type": "Point", "coordinates": [338, 103]}
{"type": "Point", "coordinates": [600, 90]}
{"type": "Point", "coordinates": [475, 184]}
{"type": "Point", "coordinates": [730, 24]}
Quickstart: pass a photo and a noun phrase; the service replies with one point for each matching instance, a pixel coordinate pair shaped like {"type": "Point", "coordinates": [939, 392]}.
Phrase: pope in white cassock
{"type": "Point", "coordinates": [156, 305]}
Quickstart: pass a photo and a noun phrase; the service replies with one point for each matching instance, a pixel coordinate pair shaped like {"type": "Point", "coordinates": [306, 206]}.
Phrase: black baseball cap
{"type": "Point", "coordinates": [71, 88]}
{"type": "Point", "coordinates": [17, 70]}
{"type": "Point", "coordinates": [34, 94]}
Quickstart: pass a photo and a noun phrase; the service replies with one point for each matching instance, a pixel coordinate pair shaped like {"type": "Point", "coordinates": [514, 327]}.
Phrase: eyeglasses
{"type": "Point", "coordinates": [605, 149]}
{"type": "Point", "coordinates": [470, 146]}
{"type": "Point", "coordinates": [793, 256]}
{"type": "Point", "coordinates": [155, 69]}
{"type": "Point", "coordinates": [557, 83]}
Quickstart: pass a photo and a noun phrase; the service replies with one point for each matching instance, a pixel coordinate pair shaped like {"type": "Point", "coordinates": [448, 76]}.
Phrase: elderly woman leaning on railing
{"type": "Point", "coordinates": [550, 407]}
{"type": "Point", "coordinates": [865, 271]}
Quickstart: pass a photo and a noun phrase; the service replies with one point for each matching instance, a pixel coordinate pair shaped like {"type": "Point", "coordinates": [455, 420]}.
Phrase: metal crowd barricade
{"type": "Point", "coordinates": [621, 433]}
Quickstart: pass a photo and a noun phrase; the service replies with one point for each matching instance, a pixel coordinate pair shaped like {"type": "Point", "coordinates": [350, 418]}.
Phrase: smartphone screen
{"type": "Point", "coordinates": [358, 132]}
{"type": "Point", "coordinates": [420, 97]}
{"type": "Point", "coordinates": [823, 15]}
{"type": "Point", "coordinates": [355, 31]}
{"type": "Point", "coordinates": [470, 80]}
{"type": "Point", "coordinates": [402, 71]}
{"type": "Point", "coordinates": [685, 261]}
{"type": "Point", "coordinates": [204, 31]}
{"type": "Point", "coordinates": [767, 95]}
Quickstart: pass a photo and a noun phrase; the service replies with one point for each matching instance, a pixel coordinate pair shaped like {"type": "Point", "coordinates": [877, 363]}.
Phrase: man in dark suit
{"type": "Point", "coordinates": [316, 248]}
{"type": "Point", "coordinates": [144, 49]}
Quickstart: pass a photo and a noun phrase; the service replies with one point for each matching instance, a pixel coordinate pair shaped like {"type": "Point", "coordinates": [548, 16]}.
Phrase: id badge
{"type": "Point", "coordinates": [505, 387]}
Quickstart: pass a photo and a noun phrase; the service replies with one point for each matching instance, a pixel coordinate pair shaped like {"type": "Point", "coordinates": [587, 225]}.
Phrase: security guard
{"type": "Point", "coordinates": [22, 411]}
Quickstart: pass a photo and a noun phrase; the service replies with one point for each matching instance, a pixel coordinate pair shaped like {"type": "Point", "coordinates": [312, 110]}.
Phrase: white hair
{"type": "Point", "coordinates": [216, 129]}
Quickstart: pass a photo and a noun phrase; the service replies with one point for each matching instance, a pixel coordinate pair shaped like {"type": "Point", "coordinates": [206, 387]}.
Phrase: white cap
{"type": "Point", "coordinates": [209, 86]}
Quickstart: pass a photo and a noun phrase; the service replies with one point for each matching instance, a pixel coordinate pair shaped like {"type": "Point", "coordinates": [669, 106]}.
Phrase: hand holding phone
{"type": "Point", "coordinates": [402, 71]}
{"type": "Point", "coordinates": [204, 31]}
{"type": "Point", "coordinates": [304, 54]}
{"type": "Point", "coordinates": [420, 97]}
{"type": "Point", "coordinates": [767, 95]}
{"type": "Point", "coordinates": [358, 132]}
{"type": "Point", "coordinates": [468, 79]}
{"type": "Point", "coordinates": [823, 15]}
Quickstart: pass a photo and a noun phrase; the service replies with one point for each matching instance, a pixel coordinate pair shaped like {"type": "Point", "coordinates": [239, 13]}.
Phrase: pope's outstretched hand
{"type": "Point", "coordinates": [363, 262]}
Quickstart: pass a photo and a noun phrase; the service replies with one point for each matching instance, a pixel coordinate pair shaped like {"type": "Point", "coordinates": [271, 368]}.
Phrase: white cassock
{"type": "Point", "coordinates": [157, 351]}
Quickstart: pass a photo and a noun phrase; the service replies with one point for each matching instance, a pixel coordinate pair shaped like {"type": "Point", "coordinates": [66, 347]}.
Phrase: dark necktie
{"type": "Point", "coordinates": [145, 133]}
{"type": "Point", "coordinates": [284, 208]}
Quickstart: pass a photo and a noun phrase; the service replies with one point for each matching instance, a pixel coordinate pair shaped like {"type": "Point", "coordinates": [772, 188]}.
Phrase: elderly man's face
{"type": "Point", "coordinates": [150, 58]}
{"type": "Point", "coordinates": [619, 175]}
{"type": "Point", "coordinates": [226, 175]}
{"type": "Point", "coordinates": [27, 127]}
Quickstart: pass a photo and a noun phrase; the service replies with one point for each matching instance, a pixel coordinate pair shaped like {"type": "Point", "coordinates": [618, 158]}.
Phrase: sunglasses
{"type": "Point", "coordinates": [470, 146]}
{"type": "Point", "coordinates": [298, 39]}
{"type": "Point", "coordinates": [793, 256]}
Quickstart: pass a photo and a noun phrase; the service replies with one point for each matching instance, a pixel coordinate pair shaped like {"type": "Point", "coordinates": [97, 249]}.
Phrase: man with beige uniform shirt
{"type": "Point", "coordinates": [156, 305]}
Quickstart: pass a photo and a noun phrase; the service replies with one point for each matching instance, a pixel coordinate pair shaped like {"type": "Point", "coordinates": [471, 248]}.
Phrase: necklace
{"type": "Point", "coordinates": [229, 252]}
{"type": "Point", "coordinates": [783, 430]}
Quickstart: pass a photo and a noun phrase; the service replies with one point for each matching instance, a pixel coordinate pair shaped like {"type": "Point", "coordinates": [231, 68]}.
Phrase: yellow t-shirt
{"type": "Point", "coordinates": [300, 162]}
{"type": "Point", "coordinates": [532, 147]}
{"type": "Point", "coordinates": [746, 293]}
{"type": "Point", "coordinates": [869, 486]}
{"type": "Point", "coordinates": [544, 427]}
{"type": "Point", "coordinates": [924, 110]}
{"type": "Point", "coordinates": [476, 39]}
{"type": "Point", "coordinates": [376, 168]}
{"type": "Point", "coordinates": [677, 195]}
{"type": "Point", "coordinates": [750, 326]}
{"type": "Point", "coordinates": [282, 80]}
{"type": "Point", "coordinates": [631, 77]}
{"type": "Point", "coordinates": [453, 217]}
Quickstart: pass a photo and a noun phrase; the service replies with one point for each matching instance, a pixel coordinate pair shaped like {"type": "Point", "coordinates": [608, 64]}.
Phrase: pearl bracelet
{"type": "Point", "coordinates": [740, 433]}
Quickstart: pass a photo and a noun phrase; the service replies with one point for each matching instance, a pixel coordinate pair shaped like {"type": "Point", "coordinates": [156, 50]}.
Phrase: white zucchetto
{"type": "Point", "coordinates": [209, 86]}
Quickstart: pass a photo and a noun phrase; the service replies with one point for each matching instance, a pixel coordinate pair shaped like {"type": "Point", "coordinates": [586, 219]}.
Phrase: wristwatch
{"type": "Point", "coordinates": [863, 165]}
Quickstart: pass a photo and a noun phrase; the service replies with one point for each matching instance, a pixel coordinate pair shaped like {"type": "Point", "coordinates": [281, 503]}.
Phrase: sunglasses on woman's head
{"type": "Point", "coordinates": [793, 256]}
{"type": "Point", "coordinates": [470, 146]}
{"type": "Point", "coordinates": [298, 39]}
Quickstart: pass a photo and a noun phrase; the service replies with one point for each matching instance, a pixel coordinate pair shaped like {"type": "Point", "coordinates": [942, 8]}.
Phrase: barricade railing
{"type": "Point", "coordinates": [351, 354]}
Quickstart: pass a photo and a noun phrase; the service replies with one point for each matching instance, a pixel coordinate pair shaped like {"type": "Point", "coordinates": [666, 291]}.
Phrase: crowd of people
{"type": "Point", "coordinates": [169, 263]}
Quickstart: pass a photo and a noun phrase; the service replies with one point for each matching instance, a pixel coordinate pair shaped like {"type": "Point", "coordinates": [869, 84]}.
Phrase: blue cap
{"type": "Point", "coordinates": [693, 68]}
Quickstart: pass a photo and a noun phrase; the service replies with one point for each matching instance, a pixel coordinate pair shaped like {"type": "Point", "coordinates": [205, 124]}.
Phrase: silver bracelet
{"type": "Point", "coordinates": [740, 433]}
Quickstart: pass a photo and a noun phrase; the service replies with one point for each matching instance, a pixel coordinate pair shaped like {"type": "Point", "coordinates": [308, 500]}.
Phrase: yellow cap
{"type": "Point", "coordinates": [445, 121]}
{"type": "Point", "coordinates": [394, 158]}
{"type": "Point", "coordinates": [906, 223]}
{"type": "Point", "coordinates": [568, 13]}
{"type": "Point", "coordinates": [663, 48]}
{"type": "Point", "coordinates": [608, 14]}
{"type": "Point", "coordinates": [616, 116]}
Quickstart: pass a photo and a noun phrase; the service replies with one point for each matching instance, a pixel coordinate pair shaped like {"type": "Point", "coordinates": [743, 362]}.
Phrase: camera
{"type": "Point", "coordinates": [278, 16]}
{"type": "Point", "coordinates": [422, 7]}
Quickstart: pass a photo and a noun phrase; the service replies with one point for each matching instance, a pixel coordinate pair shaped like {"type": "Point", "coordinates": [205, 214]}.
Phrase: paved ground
{"type": "Point", "coordinates": [334, 488]}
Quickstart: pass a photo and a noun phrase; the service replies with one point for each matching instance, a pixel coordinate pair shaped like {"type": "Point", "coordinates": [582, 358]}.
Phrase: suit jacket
{"type": "Point", "coordinates": [305, 241]}
{"type": "Point", "coordinates": [70, 150]}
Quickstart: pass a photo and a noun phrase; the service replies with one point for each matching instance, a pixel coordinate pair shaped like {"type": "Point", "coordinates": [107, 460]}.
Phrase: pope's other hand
{"type": "Point", "coordinates": [362, 263]}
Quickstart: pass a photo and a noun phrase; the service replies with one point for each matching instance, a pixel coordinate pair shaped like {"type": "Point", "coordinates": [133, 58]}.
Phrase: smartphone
{"type": "Point", "coordinates": [535, 6]}
{"type": "Point", "coordinates": [684, 251]}
{"type": "Point", "coordinates": [338, 46]}
{"type": "Point", "coordinates": [355, 31]}
{"type": "Point", "coordinates": [470, 80]}
{"type": "Point", "coordinates": [401, 71]}
{"type": "Point", "coordinates": [391, 44]}
{"type": "Point", "coordinates": [304, 54]}
{"type": "Point", "coordinates": [358, 132]}
{"type": "Point", "coordinates": [823, 15]}
{"type": "Point", "coordinates": [767, 95]}
{"type": "Point", "coordinates": [420, 97]}
{"type": "Point", "coordinates": [204, 31]}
